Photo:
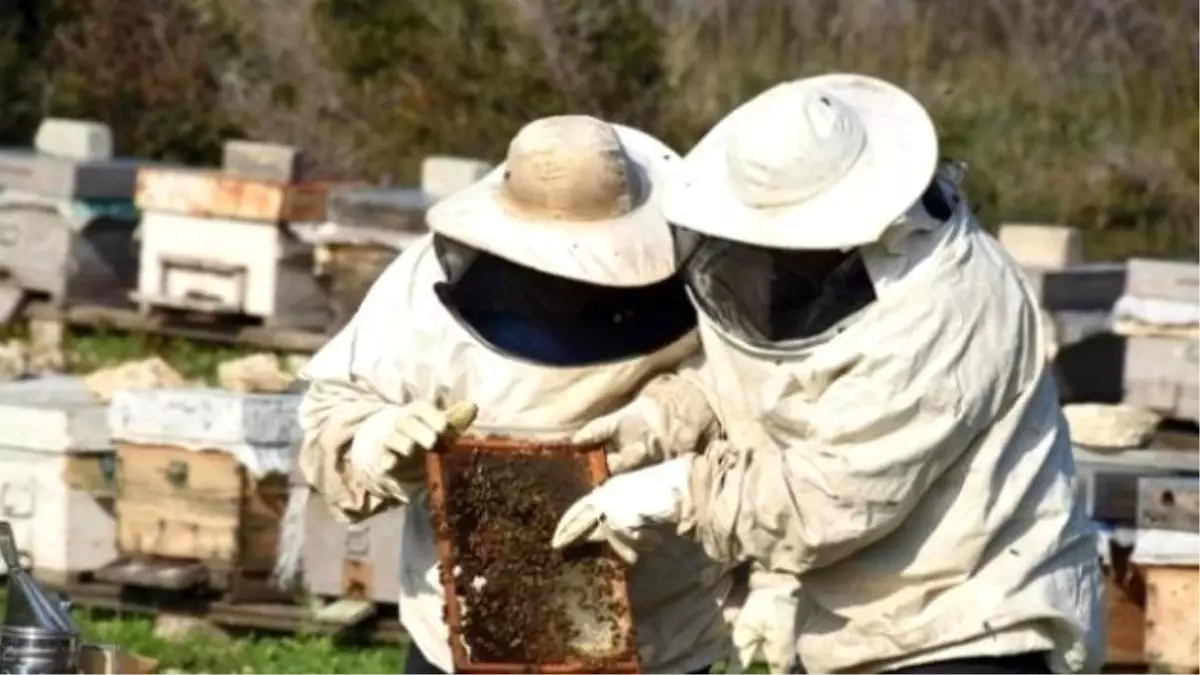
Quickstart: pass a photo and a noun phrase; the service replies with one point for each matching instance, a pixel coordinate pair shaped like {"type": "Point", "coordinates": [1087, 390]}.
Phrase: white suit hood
{"type": "Point", "coordinates": [403, 344]}
{"type": "Point", "coordinates": [912, 467]}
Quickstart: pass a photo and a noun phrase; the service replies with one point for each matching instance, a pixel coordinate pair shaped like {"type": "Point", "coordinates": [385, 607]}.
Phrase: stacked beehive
{"type": "Point", "coordinates": [1155, 324]}
{"type": "Point", "coordinates": [57, 478]}
{"type": "Point", "coordinates": [366, 227]}
{"type": "Point", "coordinates": [203, 476]}
{"type": "Point", "coordinates": [220, 241]}
{"type": "Point", "coordinates": [67, 218]}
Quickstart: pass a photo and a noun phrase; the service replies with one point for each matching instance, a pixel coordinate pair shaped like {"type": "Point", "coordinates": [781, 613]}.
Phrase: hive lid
{"type": "Point", "coordinates": [30, 607]}
{"type": "Point", "coordinates": [397, 209]}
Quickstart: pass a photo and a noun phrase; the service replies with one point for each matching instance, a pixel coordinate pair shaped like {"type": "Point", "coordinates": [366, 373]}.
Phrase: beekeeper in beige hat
{"type": "Point", "coordinates": [894, 464]}
{"type": "Point", "coordinates": [545, 297]}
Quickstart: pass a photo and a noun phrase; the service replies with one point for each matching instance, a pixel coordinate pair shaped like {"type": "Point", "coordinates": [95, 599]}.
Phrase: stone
{"type": "Point", "coordinates": [179, 627]}
{"type": "Point", "coordinates": [294, 363]}
{"type": "Point", "coordinates": [45, 347]}
{"type": "Point", "coordinates": [82, 140]}
{"type": "Point", "coordinates": [257, 373]}
{"type": "Point", "coordinates": [14, 361]}
{"type": "Point", "coordinates": [151, 373]}
{"type": "Point", "coordinates": [1101, 426]}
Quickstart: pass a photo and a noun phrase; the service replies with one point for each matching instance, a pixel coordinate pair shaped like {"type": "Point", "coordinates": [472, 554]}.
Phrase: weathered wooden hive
{"type": "Point", "coordinates": [366, 227]}
{"type": "Point", "coordinates": [203, 486]}
{"type": "Point", "coordinates": [67, 218]}
{"type": "Point", "coordinates": [221, 242]}
{"type": "Point", "coordinates": [57, 478]}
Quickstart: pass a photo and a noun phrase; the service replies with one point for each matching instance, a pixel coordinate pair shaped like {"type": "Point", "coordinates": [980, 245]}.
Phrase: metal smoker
{"type": "Point", "coordinates": [38, 634]}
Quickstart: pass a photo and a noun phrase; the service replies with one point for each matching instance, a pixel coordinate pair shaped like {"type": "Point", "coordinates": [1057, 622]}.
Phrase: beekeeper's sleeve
{"type": "Point", "coordinates": [348, 377]}
{"type": "Point", "coordinates": [859, 438]}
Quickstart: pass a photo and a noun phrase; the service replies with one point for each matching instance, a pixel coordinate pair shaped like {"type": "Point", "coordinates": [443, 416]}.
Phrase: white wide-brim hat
{"type": "Point", "coordinates": [826, 163]}
{"type": "Point", "coordinates": [576, 197]}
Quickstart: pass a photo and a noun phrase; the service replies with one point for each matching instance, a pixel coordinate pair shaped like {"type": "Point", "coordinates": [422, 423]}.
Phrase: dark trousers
{"type": "Point", "coordinates": [416, 664]}
{"type": "Point", "coordinates": [1033, 663]}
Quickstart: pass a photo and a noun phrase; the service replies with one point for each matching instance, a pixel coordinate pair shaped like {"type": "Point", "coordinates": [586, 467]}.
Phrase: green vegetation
{"type": "Point", "coordinates": [255, 654]}
{"type": "Point", "coordinates": [1078, 111]}
{"type": "Point", "coordinates": [259, 654]}
{"type": "Point", "coordinates": [88, 351]}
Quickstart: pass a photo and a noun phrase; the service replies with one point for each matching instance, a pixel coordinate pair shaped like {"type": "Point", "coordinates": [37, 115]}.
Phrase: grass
{"type": "Point", "coordinates": [240, 654]}
{"type": "Point", "coordinates": [246, 654]}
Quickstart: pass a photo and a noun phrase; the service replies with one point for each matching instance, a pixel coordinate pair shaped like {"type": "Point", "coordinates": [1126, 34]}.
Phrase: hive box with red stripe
{"type": "Point", "coordinates": [219, 242]}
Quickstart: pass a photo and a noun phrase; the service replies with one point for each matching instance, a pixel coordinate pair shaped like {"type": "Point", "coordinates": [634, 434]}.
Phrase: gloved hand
{"type": "Point", "coordinates": [670, 417]}
{"type": "Point", "coordinates": [766, 621]}
{"type": "Point", "coordinates": [623, 510]}
{"type": "Point", "coordinates": [633, 442]}
{"type": "Point", "coordinates": [388, 449]}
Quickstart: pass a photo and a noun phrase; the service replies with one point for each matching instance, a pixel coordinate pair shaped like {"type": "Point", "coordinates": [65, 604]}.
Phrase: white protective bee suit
{"type": "Point", "coordinates": [474, 313]}
{"type": "Point", "coordinates": [892, 436]}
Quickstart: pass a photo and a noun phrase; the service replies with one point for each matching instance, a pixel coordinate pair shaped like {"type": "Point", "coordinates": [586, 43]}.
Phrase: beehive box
{"type": "Point", "coordinates": [71, 251]}
{"type": "Point", "coordinates": [443, 175]}
{"type": "Point", "coordinates": [1163, 374]}
{"type": "Point", "coordinates": [359, 561]}
{"type": "Point", "coordinates": [366, 229]}
{"type": "Point", "coordinates": [1081, 287]}
{"type": "Point", "coordinates": [230, 267]}
{"type": "Point", "coordinates": [512, 603]}
{"type": "Point", "coordinates": [203, 477]}
{"type": "Point", "coordinates": [1168, 280]}
{"type": "Point", "coordinates": [213, 194]}
{"type": "Point", "coordinates": [56, 476]}
{"type": "Point", "coordinates": [1041, 246]}
{"type": "Point", "coordinates": [1110, 485]}
{"type": "Point", "coordinates": [1167, 554]}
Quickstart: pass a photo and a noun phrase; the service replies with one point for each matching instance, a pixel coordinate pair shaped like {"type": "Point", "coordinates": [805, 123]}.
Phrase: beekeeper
{"type": "Point", "coordinates": [893, 459]}
{"type": "Point", "coordinates": [546, 296]}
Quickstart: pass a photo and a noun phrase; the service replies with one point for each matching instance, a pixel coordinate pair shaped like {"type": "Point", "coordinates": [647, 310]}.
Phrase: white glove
{"type": "Point", "coordinates": [387, 453]}
{"type": "Point", "coordinates": [623, 510]}
{"type": "Point", "coordinates": [633, 442]}
{"type": "Point", "coordinates": [766, 621]}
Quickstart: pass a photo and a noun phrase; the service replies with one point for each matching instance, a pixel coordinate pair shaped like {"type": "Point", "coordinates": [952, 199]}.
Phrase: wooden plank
{"type": "Point", "coordinates": [154, 574]}
{"type": "Point", "coordinates": [1126, 617]}
{"type": "Point", "coordinates": [128, 319]}
{"type": "Point", "coordinates": [345, 613]}
{"type": "Point", "coordinates": [1154, 459]}
{"type": "Point", "coordinates": [1172, 619]}
{"type": "Point", "coordinates": [1169, 503]}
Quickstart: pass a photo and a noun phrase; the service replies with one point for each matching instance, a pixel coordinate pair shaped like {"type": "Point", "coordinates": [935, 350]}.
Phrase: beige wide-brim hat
{"type": "Point", "coordinates": [826, 163]}
{"type": "Point", "coordinates": [576, 197]}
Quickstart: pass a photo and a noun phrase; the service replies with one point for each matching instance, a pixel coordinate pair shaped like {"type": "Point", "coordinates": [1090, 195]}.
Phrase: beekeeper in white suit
{"type": "Point", "coordinates": [894, 461]}
{"type": "Point", "coordinates": [546, 296]}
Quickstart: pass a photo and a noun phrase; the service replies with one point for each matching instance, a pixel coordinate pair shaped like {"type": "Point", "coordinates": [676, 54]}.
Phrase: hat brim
{"type": "Point", "coordinates": [634, 249]}
{"type": "Point", "coordinates": [895, 167]}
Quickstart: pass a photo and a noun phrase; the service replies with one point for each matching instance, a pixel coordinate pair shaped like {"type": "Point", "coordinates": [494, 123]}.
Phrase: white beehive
{"type": "Point", "coordinates": [443, 175]}
{"type": "Point", "coordinates": [56, 476]}
{"type": "Point", "coordinates": [222, 244]}
{"type": "Point", "coordinates": [1042, 246]}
